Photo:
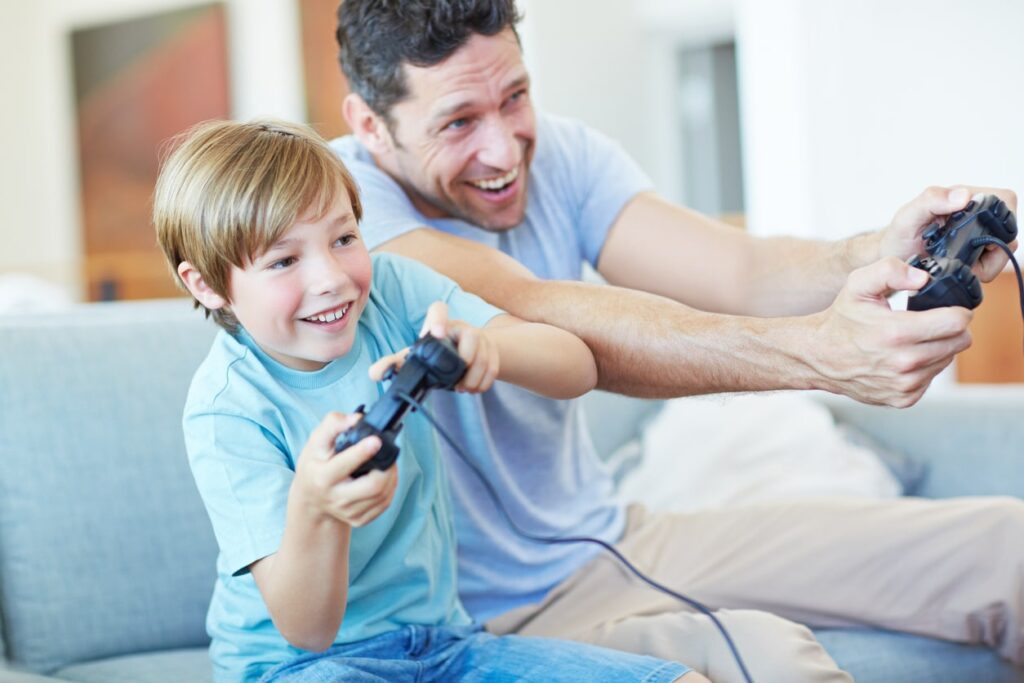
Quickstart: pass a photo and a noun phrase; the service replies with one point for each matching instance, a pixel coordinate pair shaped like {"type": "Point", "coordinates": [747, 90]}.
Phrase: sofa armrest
{"type": "Point", "coordinates": [970, 438]}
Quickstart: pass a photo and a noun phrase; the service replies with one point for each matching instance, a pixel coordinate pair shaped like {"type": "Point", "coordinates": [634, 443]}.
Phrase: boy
{"type": "Point", "coordinates": [322, 576]}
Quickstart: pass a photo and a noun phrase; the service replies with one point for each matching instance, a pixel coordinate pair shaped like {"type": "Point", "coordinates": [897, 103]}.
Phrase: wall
{"type": "Point", "coordinates": [39, 208]}
{"type": "Point", "coordinates": [851, 108]}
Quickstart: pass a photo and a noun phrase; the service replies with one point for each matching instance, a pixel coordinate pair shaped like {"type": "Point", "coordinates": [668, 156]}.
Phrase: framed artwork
{"type": "Point", "coordinates": [138, 82]}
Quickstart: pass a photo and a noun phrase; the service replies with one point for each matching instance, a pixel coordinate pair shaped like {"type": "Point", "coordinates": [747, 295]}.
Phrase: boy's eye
{"type": "Point", "coordinates": [345, 239]}
{"type": "Point", "coordinates": [282, 263]}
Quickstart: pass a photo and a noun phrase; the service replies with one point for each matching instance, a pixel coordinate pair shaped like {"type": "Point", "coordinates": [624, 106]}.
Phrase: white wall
{"type": "Point", "coordinates": [850, 108]}
{"type": "Point", "coordinates": [39, 211]}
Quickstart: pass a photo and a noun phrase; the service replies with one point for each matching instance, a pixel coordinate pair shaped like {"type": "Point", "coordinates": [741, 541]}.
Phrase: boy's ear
{"type": "Point", "coordinates": [366, 125]}
{"type": "Point", "coordinates": [195, 284]}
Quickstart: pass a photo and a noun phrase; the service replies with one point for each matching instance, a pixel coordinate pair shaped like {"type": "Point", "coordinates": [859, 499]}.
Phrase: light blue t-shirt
{"type": "Point", "coordinates": [247, 419]}
{"type": "Point", "coordinates": [536, 451]}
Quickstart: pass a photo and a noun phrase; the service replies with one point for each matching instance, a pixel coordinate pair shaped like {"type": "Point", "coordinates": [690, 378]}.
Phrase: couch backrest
{"type": "Point", "coordinates": [105, 547]}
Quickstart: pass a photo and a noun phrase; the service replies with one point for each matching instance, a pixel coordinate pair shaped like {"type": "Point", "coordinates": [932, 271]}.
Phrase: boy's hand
{"type": "Point", "coordinates": [475, 347]}
{"type": "Point", "coordinates": [323, 481]}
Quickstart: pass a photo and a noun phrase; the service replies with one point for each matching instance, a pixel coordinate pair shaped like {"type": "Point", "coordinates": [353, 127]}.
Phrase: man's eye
{"type": "Point", "coordinates": [457, 124]}
{"type": "Point", "coordinates": [282, 263]}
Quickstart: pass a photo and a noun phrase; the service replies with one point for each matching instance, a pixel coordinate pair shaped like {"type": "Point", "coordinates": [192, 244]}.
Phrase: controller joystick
{"type": "Point", "coordinates": [952, 248]}
{"type": "Point", "coordinates": [432, 363]}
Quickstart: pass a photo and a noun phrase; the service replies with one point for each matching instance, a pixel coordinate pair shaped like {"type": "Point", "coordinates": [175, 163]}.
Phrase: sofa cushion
{"type": "Point", "coordinates": [177, 666]}
{"type": "Point", "coordinates": [105, 547]}
{"type": "Point", "coordinates": [876, 656]}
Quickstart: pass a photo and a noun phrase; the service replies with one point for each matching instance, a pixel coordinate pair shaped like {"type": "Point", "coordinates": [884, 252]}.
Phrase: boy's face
{"type": "Point", "coordinates": [301, 299]}
{"type": "Point", "coordinates": [464, 137]}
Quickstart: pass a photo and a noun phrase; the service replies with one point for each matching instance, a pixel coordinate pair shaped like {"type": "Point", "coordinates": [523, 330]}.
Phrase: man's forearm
{"type": "Point", "coordinates": [659, 247]}
{"type": "Point", "coordinates": [650, 346]}
{"type": "Point", "coordinates": [789, 276]}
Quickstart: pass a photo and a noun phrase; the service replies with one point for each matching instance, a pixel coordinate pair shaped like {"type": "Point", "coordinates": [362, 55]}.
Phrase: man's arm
{"type": "Point", "coordinates": [663, 248]}
{"type": "Point", "coordinates": [650, 345]}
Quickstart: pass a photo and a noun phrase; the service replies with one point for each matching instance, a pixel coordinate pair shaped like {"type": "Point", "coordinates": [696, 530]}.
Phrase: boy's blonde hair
{"type": "Point", "coordinates": [228, 191]}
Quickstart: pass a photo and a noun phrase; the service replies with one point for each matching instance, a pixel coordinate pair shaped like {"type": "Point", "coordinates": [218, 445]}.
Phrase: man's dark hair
{"type": "Point", "coordinates": [377, 36]}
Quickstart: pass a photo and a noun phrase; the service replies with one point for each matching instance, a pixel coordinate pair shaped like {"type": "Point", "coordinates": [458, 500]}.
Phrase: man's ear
{"type": "Point", "coordinates": [366, 125]}
{"type": "Point", "coordinates": [195, 284]}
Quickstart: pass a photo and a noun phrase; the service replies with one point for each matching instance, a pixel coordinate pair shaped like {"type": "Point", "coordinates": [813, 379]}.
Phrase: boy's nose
{"type": "Point", "coordinates": [327, 277]}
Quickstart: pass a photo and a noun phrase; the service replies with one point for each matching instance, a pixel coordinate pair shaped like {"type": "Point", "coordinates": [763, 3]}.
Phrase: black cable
{"type": "Point", "coordinates": [577, 539]}
{"type": "Point", "coordinates": [978, 241]}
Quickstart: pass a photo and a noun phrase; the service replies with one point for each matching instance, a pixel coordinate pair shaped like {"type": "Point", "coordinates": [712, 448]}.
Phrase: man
{"type": "Point", "coordinates": [457, 171]}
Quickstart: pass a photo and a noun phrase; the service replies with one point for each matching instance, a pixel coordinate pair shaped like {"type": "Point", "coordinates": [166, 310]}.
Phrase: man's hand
{"type": "Point", "coordinates": [902, 238]}
{"type": "Point", "coordinates": [876, 355]}
{"type": "Point", "coordinates": [323, 484]}
{"type": "Point", "coordinates": [475, 347]}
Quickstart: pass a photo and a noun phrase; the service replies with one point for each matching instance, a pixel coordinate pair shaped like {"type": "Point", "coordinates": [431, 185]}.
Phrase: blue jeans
{"type": "Point", "coordinates": [467, 653]}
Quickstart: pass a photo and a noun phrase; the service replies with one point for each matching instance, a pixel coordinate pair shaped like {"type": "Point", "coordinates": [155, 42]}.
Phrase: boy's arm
{"type": "Point", "coordinates": [542, 358]}
{"type": "Point", "coordinates": [305, 583]}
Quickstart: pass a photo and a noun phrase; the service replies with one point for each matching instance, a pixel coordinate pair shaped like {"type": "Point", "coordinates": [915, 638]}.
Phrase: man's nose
{"type": "Point", "coordinates": [500, 148]}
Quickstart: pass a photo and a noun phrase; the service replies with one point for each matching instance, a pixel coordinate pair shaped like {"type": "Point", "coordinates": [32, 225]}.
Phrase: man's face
{"type": "Point", "coordinates": [464, 137]}
{"type": "Point", "coordinates": [301, 300]}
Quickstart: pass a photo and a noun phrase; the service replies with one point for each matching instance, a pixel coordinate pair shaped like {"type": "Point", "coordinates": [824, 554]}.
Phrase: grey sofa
{"type": "Point", "coordinates": [107, 557]}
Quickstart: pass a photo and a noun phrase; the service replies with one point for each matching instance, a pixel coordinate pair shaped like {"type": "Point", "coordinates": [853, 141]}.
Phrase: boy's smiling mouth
{"type": "Point", "coordinates": [329, 316]}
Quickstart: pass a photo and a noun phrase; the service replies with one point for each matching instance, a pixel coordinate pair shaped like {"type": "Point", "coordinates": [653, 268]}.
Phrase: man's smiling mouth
{"type": "Point", "coordinates": [497, 184]}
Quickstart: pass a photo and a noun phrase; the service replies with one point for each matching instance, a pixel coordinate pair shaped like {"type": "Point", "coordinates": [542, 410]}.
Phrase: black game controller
{"type": "Point", "coordinates": [432, 363]}
{"type": "Point", "coordinates": [954, 247]}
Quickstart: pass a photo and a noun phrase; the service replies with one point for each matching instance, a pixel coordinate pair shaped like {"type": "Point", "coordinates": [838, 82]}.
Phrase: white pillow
{"type": "Point", "coordinates": [727, 450]}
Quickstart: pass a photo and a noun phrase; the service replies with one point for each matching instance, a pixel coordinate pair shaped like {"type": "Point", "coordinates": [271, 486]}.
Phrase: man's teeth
{"type": "Point", "coordinates": [329, 317]}
{"type": "Point", "coordinates": [497, 183]}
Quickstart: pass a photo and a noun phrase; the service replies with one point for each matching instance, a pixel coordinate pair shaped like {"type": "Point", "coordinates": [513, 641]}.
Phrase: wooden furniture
{"type": "Point", "coordinates": [997, 355]}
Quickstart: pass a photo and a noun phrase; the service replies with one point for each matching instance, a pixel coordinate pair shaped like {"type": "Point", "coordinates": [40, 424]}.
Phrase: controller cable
{"type": "Point", "coordinates": [416, 405]}
{"type": "Point", "coordinates": [979, 241]}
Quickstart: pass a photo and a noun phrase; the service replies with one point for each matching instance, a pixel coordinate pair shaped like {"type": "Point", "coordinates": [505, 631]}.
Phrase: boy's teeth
{"type": "Point", "coordinates": [498, 183]}
{"type": "Point", "coordinates": [329, 317]}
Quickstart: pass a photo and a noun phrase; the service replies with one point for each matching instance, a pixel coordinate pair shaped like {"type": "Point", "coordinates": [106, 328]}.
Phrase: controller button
{"type": "Point", "coordinates": [448, 364]}
{"type": "Point", "coordinates": [958, 215]}
{"type": "Point", "coordinates": [932, 232]}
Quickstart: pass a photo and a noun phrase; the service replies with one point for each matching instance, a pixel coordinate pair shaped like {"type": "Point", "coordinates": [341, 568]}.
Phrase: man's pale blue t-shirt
{"type": "Point", "coordinates": [247, 419]}
{"type": "Point", "coordinates": [536, 451]}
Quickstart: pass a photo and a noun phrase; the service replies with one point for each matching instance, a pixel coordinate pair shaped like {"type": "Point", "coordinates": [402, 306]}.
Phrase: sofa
{"type": "Point", "coordinates": [107, 556]}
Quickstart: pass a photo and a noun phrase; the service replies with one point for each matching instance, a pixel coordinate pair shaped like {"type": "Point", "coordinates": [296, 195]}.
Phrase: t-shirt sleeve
{"type": "Point", "coordinates": [243, 475]}
{"type": "Point", "coordinates": [606, 178]}
{"type": "Point", "coordinates": [387, 211]}
{"type": "Point", "coordinates": [413, 286]}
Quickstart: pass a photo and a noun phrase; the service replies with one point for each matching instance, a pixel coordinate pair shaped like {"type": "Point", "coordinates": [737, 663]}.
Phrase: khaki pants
{"type": "Point", "coordinates": [951, 569]}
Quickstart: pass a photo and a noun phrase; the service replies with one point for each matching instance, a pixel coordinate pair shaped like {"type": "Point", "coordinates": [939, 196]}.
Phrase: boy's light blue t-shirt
{"type": "Point", "coordinates": [247, 419]}
{"type": "Point", "coordinates": [536, 451]}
